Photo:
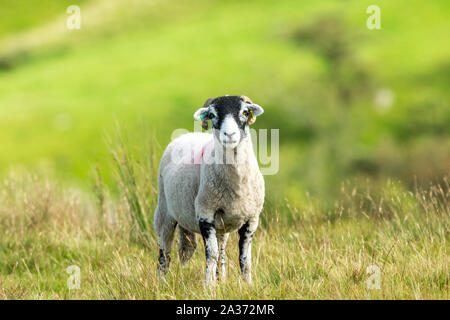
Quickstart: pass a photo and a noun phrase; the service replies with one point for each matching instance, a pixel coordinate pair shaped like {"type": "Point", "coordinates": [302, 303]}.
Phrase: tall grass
{"type": "Point", "coordinates": [300, 251]}
{"type": "Point", "coordinates": [136, 175]}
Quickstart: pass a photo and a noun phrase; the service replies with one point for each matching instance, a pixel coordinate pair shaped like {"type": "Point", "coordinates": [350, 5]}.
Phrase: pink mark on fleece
{"type": "Point", "coordinates": [198, 158]}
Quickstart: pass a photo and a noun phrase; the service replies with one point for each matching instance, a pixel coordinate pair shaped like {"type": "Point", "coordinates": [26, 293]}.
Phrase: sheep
{"type": "Point", "coordinates": [210, 184]}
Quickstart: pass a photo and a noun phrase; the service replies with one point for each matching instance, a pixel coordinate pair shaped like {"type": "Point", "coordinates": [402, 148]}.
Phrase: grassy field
{"type": "Point", "coordinates": [298, 253]}
{"type": "Point", "coordinates": [364, 143]}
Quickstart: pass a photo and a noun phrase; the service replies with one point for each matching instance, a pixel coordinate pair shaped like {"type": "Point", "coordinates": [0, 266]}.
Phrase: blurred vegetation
{"type": "Point", "coordinates": [349, 102]}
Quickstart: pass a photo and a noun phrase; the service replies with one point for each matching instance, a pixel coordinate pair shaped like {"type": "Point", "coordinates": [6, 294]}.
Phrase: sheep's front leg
{"type": "Point", "coordinates": [222, 243]}
{"type": "Point", "coordinates": [246, 233]}
{"type": "Point", "coordinates": [208, 232]}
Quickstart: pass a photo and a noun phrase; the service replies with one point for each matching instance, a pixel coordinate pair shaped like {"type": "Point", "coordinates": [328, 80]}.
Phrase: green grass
{"type": "Point", "coordinates": [298, 253]}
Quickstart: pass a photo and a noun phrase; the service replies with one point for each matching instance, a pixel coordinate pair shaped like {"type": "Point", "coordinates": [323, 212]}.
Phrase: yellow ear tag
{"type": "Point", "coordinates": [251, 118]}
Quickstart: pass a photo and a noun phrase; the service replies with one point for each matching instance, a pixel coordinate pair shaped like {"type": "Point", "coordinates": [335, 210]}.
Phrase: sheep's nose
{"type": "Point", "coordinates": [229, 134]}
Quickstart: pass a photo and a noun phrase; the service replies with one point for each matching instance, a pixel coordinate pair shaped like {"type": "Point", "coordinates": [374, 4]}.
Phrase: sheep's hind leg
{"type": "Point", "coordinates": [222, 243]}
{"type": "Point", "coordinates": [165, 228]}
{"type": "Point", "coordinates": [246, 233]}
{"type": "Point", "coordinates": [166, 234]}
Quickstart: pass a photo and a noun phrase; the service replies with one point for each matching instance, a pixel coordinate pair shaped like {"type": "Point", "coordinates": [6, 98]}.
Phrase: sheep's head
{"type": "Point", "coordinates": [230, 117]}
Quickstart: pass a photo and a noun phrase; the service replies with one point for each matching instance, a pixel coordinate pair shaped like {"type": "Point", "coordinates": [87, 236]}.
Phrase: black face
{"type": "Point", "coordinates": [228, 105]}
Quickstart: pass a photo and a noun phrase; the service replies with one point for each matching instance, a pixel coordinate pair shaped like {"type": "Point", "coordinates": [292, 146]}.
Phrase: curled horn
{"type": "Point", "coordinates": [205, 120]}
{"type": "Point", "coordinates": [208, 102]}
{"type": "Point", "coordinates": [251, 118]}
{"type": "Point", "coordinates": [246, 99]}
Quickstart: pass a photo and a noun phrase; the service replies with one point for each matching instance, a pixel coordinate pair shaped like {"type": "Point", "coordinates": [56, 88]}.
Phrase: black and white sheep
{"type": "Point", "coordinates": [211, 184]}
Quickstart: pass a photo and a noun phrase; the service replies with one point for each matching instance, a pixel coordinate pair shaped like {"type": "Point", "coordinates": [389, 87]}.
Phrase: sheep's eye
{"type": "Point", "coordinates": [211, 116]}
{"type": "Point", "coordinates": [245, 113]}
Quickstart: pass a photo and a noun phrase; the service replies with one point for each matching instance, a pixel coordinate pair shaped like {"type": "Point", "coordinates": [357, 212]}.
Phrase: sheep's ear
{"type": "Point", "coordinates": [255, 110]}
{"type": "Point", "coordinates": [200, 114]}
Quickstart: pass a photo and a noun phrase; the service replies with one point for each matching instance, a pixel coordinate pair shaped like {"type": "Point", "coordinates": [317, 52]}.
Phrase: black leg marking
{"type": "Point", "coordinates": [208, 232]}
{"type": "Point", "coordinates": [164, 261]}
{"type": "Point", "coordinates": [245, 241]}
{"type": "Point", "coordinates": [205, 227]}
{"type": "Point", "coordinates": [164, 250]}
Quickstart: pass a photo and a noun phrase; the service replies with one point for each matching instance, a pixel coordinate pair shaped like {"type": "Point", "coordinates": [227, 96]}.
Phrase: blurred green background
{"type": "Point", "coordinates": [350, 103]}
